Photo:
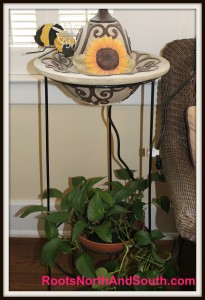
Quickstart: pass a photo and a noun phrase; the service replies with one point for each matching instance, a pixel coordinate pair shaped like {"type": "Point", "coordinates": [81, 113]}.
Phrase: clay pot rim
{"type": "Point", "coordinates": [101, 247]}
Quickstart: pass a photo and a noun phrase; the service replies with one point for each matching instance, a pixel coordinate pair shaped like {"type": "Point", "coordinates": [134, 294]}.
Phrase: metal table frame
{"type": "Point", "coordinates": [109, 145]}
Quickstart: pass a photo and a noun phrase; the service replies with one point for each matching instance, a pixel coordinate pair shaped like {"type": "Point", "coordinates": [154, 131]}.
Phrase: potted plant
{"type": "Point", "coordinates": [106, 219]}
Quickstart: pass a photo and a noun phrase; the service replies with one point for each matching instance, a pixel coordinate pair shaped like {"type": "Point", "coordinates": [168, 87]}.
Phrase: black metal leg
{"type": "Point", "coordinates": [109, 147]}
{"type": "Point", "coordinates": [47, 144]}
{"type": "Point", "coordinates": [150, 156]}
{"type": "Point", "coordinates": [47, 157]}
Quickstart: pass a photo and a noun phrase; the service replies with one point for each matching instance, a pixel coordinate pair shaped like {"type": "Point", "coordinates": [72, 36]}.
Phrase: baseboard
{"type": "Point", "coordinates": [32, 225]}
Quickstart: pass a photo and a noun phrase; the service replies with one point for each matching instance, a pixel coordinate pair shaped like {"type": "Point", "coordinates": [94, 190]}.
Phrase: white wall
{"type": "Point", "coordinates": [151, 29]}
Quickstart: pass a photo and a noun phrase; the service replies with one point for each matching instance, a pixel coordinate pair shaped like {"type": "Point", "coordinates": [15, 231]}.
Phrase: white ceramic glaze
{"type": "Point", "coordinates": [73, 77]}
{"type": "Point", "coordinates": [102, 90]}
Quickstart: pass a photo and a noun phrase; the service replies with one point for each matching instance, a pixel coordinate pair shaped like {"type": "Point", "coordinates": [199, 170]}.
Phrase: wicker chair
{"type": "Point", "coordinates": [178, 169]}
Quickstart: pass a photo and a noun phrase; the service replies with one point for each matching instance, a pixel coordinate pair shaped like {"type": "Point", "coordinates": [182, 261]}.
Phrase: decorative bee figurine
{"type": "Point", "coordinates": [49, 35]}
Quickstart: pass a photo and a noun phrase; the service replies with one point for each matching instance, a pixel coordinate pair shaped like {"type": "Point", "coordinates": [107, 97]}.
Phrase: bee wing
{"type": "Point", "coordinates": [76, 28]}
{"type": "Point", "coordinates": [63, 38]}
{"type": "Point", "coordinates": [57, 29]}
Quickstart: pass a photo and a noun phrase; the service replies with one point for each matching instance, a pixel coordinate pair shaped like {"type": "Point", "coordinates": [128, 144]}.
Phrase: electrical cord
{"type": "Point", "coordinates": [118, 144]}
{"type": "Point", "coordinates": [184, 83]}
{"type": "Point", "coordinates": [125, 165]}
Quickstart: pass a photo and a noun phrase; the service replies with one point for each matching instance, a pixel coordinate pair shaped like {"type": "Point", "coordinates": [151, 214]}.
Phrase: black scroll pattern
{"type": "Point", "coordinates": [98, 96]}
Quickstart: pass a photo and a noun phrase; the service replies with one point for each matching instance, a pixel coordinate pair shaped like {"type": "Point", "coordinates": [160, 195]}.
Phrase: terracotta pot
{"type": "Point", "coordinates": [101, 247]}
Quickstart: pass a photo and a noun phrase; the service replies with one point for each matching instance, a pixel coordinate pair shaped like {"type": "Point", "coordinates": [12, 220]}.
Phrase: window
{"type": "Point", "coordinates": [22, 27]}
{"type": "Point", "coordinates": [24, 23]}
{"type": "Point", "coordinates": [75, 19]}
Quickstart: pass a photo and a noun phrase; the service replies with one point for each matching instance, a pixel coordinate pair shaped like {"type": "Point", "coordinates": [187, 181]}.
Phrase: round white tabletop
{"type": "Point", "coordinates": [106, 89]}
{"type": "Point", "coordinates": [58, 68]}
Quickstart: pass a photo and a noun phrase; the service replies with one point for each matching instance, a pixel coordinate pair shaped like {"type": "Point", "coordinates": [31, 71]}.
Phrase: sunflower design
{"type": "Point", "coordinates": [106, 56]}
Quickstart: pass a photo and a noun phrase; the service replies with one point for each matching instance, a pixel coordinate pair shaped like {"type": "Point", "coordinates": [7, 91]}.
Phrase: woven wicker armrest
{"type": "Point", "coordinates": [178, 168]}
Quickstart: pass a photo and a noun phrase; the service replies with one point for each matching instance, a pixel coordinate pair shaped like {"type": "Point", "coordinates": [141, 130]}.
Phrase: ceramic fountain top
{"type": "Point", "coordinates": [102, 68]}
{"type": "Point", "coordinates": [59, 68]}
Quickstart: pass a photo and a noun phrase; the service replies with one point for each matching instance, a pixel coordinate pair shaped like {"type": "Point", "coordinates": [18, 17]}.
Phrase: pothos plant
{"type": "Point", "coordinates": [111, 214]}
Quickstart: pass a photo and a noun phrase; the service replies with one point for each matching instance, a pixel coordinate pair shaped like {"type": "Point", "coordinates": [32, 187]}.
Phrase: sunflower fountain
{"type": "Point", "coordinates": [100, 69]}
{"type": "Point", "coordinates": [103, 68]}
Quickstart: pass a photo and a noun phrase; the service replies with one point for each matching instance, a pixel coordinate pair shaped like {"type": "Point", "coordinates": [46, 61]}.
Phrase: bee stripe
{"type": "Point", "coordinates": [58, 45]}
{"type": "Point", "coordinates": [52, 33]}
{"type": "Point", "coordinates": [37, 37]}
{"type": "Point", "coordinates": [45, 34]}
{"type": "Point", "coordinates": [72, 41]}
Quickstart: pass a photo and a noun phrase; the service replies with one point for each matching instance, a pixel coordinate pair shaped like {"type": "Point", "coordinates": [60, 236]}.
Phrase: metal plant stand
{"type": "Point", "coordinates": [97, 90]}
{"type": "Point", "coordinates": [118, 84]}
{"type": "Point", "coordinates": [110, 126]}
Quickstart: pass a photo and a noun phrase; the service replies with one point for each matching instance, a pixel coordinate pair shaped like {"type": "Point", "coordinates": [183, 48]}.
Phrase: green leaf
{"type": "Point", "coordinates": [121, 193]}
{"type": "Point", "coordinates": [104, 231]}
{"type": "Point", "coordinates": [142, 266]}
{"type": "Point", "coordinates": [156, 235]}
{"type": "Point", "coordinates": [111, 265]}
{"type": "Point", "coordinates": [32, 209]}
{"type": "Point", "coordinates": [90, 193]}
{"type": "Point", "coordinates": [57, 217]}
{"type": "Point", "coordinates": [84, 265]}
{"type": "Point", "coordinates": [123, 174]}
{"type": "Point", "coordinates": [95, 210]}
{"type": "Point", "coordinates": [157, 177]}
{"type": "Point", "coordinates": [77, 180]}
{"type": "Point", "coordinates": [170, 269]}
{"type": "Point", "coordinates": [144, 185]}
{"type": "Point", "coordinates": [107, 197]}
{"type": "Point", "coordinates": [79, 202]}
{"type": "Point", "coordinates": [114, 191]}
{"type": "Point", "coordinates": [64, 247]}
{"type": "Point", "coordinates": [53, 193]}
{"type": "Point", "coordinates": [156, 257]}
{"type": "Point", "coordinates": [49, 252]}
{"type": "Point", "coordinates": [136, 185]}
{"type": "Point", "coordinates": [115, 184]}
{"type": "Point", "coordinates": [142, 238]}
{"type": "Point", "coordinates": [164, 203]}
{"type": "Point", "coordinates": [139, 184]}
{"type": "Point", "coordinates": [51, 230]}
{"type": "Point", "coordinates": [117, 209]}
{"type": "Point", "coordinates": [138, 209]}
{"type": "Point", "coordinates": [101, 273]}
{"type": "Point", "coordinates": [67, 202]}
{"type": "Point", "coordinates": [152, 273]}
{"type": "Point", "coordinates": [78, 228]}
{"type": "Point", "coordinates": [93, 181]}
{"type": "Point", "coordinates": [68, 199]}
